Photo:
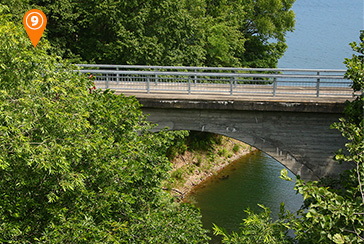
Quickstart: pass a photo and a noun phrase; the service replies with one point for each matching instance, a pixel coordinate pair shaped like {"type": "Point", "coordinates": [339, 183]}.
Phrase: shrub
{"type": "Point", "coordinates": [236, 148]}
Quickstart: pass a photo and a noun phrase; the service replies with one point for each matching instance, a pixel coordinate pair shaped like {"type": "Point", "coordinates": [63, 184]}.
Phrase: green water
{"type": "Point", "coordinates": [253, 179]}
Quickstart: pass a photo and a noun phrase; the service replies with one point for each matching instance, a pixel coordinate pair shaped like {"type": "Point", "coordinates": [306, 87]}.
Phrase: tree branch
{"type": "Point", "coordinates": [359, 180]}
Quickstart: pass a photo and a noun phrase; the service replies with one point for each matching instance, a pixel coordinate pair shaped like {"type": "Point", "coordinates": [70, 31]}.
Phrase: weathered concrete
{"type": "Point", "coordinates": [297, 134]}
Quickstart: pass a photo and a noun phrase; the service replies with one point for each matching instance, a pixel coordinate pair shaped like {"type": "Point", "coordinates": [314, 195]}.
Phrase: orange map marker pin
{"type": "Point", "coordinates": [35, 22]}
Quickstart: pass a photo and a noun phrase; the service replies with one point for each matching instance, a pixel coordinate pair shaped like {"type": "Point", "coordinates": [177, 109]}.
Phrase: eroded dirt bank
{"type": "Point", "coordinates": [192, 168]}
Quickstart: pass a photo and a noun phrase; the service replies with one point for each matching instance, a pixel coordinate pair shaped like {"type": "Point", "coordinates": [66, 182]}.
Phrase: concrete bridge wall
{"type": "Point", "coordinates": [298, 135]}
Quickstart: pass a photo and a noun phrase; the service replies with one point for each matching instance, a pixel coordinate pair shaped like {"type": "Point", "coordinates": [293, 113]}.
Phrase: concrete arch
{"type": "Point", "coordinates": [301, 141]}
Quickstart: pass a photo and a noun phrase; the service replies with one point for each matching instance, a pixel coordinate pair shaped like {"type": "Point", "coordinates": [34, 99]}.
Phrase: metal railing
{"type": "Point", "coordinates": [220, 80]}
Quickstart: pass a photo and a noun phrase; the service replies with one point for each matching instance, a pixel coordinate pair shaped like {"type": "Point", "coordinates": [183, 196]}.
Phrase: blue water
{"type": "Point", "coordinates": [252, 179]}
{"type": "Point", "coordinates": [324, 29]}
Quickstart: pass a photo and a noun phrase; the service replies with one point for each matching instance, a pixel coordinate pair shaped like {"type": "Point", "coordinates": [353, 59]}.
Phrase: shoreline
{"type": "Point", "coordinates": [218, 176]}
{"type": "Point", "coordinates": [202, 168]}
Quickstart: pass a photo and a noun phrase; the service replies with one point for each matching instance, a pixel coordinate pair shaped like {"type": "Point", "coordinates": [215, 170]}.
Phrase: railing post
{"type": "Point", "coordinates": [107, 81]}
{"type": "Point", "coordinates": [318, 86]}
{"type": "Point", "coordinates": [189, 85]}
{"type": "Point", "coordinates": [156, 77]}
{"type": "Point", "coordinates": [231, 85]}
{"type": "Point", "coordinates": [195, 81]}
{"type": "Point", "coordinates": [148, 84]}
{"type": "Point", "coordinates": [117, 77]}
{"type": "Point", "coordinates": [275, 85]}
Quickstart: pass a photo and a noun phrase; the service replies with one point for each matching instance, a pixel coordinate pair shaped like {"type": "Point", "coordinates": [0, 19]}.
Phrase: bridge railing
{"type": "Point", "coordinates": [217, 80]}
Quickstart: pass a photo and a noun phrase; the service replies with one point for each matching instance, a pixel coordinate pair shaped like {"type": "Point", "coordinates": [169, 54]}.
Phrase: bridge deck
{"type": "Point", "coordinates": [251, 97]}
{"type": "Point", "coordinates": [241, 92]}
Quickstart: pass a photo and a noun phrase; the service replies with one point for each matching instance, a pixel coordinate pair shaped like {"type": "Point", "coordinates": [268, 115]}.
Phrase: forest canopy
{"type": "Point", "coordinates": [239, 33]}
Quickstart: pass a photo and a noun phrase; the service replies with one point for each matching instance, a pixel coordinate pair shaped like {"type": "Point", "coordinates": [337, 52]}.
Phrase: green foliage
{"type": "Point", "coordinates": [203, 140]}
{"type": "Point", "coordinates": [191, 140]}
{"type": "Point", "coordinates": [355, 65]}
{"type": "Point", "coordinates": [175, 223]}
{"type": "Point", "coordinates": [247, 33]}
{"type": "Point", "coordinates": [123, 32]}
{"type": "Point", "coordinates": [78, 167]}
{"type": "Point", "coordinates": [355, 72]}
{"type": "Point", "coordinates": [267, 20]}
{"type": "Point", "coordinates": [258, 228]}
{"type": "Point", "coordinates": [199, 161]}
{"type": "Point", "coordinates": [178, 144]}
{"type": "Point", "coordinates": [236, 148]}
{"type": "Point", "coordinates": [332, 212]}
{"type": "Point", "coordinates": [178, 174]}
{"type": "Point", "coordinates": [223, 152]}
{"type": "Point", "coordinates": [241, 33]}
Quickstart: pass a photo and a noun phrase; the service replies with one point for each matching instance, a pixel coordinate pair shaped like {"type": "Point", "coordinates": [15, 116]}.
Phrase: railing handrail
{"type": "Point", "coordinates": [210, 68]}
{"type": "Point", "coordinates": [174, 73]}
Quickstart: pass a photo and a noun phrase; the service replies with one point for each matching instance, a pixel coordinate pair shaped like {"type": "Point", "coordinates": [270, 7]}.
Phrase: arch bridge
{"type": "Point", "coordinates": [286, 113]}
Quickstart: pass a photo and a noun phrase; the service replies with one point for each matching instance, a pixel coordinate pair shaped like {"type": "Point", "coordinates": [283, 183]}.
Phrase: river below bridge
{"type": "Point", "coordinates": [250, 180]}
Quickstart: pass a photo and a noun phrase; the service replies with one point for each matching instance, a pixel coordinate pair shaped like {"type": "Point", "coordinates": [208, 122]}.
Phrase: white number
{"type": "Point", "coordinates": [34, 20]}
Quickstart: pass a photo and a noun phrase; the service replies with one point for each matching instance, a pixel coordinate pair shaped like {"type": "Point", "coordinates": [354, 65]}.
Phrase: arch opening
{"type": "Point", "coordinates": [302, 142]}
{"type": "Point", "coordinates": [275, 156]}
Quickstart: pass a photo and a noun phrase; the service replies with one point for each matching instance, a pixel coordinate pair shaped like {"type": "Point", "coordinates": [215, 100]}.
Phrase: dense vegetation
{"type": "Point", "coordinates": [242, 33]}
{"type": "Point", "coordinates": [334, 208]}
{"type": "Point", "coordinates": [82, 168]}
{"type": "Point", "coordinates": [78, 167]}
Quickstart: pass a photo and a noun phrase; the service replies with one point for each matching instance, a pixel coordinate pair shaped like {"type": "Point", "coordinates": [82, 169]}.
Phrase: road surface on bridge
{"type": "Point", "coordinates": [242, 92]}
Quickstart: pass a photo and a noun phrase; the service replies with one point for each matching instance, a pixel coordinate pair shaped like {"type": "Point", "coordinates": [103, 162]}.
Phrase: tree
{"type": "Point", "coordinates": [333, 209]}
{"type": "Point", "coordinates": [78, 167]}
{"type": "Point", "coordinates": [249, 33]}
{"type": "Point", "coordinates": [241, 33]}
{"type": "Point", "coordinates": [258, 228]}
{"type": "Point", "coordinates": [152, 32]}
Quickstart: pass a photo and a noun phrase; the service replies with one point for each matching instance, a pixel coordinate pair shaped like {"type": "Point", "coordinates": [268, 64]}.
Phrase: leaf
{"type": "Point", "coordinates": [284, 175]}
{"type": "Point", "coordinates": [338, 239]}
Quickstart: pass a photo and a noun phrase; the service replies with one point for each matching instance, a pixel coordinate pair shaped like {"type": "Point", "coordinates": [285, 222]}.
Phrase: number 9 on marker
{"type": "Point", "coordinates": [34, 20]}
